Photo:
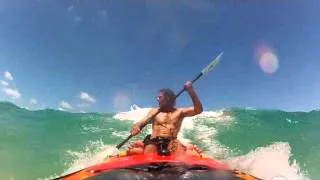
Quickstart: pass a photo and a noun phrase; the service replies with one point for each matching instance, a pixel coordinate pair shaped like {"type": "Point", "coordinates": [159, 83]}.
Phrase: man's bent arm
{"type": "Point", "coordinates": [197, 106]}
{"type": "Point", "coordinates": [146, 118]}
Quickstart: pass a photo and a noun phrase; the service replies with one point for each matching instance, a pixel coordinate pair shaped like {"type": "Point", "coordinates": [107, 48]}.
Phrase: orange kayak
{"type": "Point", "coordinates": [153, 166]}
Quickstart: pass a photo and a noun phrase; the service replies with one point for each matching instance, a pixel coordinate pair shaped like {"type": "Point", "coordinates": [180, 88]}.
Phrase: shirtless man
{"type": "Point", "coordinates": [167, 123]}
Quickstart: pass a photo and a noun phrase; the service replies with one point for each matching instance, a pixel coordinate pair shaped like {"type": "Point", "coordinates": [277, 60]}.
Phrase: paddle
{"type": "Point", "coordinates": [203, 72]}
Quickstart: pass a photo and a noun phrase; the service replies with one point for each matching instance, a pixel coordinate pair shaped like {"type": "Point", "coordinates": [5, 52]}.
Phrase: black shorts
{"type": "Point", "coordinates": [156, 141]}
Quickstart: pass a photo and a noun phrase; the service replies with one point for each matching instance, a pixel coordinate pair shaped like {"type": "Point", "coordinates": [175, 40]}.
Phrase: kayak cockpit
{"type": "Point", "coordinates": [153, 166]}
{"type": "Point", "coordinates": [168, 171]}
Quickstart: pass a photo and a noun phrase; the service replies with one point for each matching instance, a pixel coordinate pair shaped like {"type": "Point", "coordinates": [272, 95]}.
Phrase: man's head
{"type": "Point", "coordinates": [166, 98]}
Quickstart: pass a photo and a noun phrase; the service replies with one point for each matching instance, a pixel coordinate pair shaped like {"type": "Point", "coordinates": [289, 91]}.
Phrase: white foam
{"type": "Point", "coordinates": [291, 121]}
{"type": "Point", "coordinates": [121, 134]}
{"type": "Point", "coordinates": [219, 116]}
{"type": "Point", "coordinates": [135, 114]}
{"type": "Point", "coordinates": [91, 129]}
{"type": "Point", "coordinates": [269, 162]}
{"type": "Point", "coordinates": [250, 108]}
{"type": "Point", "coordinates": [95, 152]}
{"type": "Point", "coordinates": [204, 134]}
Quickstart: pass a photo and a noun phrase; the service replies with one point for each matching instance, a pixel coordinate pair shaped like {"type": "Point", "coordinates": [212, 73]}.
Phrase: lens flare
{"type": "Point", "coordinates": [269, 62]}
{"type": "Point", "coordinates": [267, 59]}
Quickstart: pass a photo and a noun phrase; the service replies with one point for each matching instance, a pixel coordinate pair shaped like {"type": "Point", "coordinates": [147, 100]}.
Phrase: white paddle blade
{"type": "Point", "coordinates": [212, 64]}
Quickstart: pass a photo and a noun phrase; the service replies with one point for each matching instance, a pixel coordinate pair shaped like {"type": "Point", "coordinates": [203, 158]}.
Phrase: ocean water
{"type": "Point", "coordinates": [266, 143]}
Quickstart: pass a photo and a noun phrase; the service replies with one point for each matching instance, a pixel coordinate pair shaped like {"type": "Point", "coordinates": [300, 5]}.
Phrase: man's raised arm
{"type": "Point", "coordinates": [197, 106]}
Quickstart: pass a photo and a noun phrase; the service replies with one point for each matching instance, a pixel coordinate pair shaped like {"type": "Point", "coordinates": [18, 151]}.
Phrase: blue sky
{"type": "Point", "coordinates": [118, 53]}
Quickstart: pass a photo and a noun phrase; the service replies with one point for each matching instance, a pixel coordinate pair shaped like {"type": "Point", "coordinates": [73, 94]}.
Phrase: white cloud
{"type": "Point", "coordinates": [64, 105]}
{"type": "Point", "coordinates": [33, 101]}
{"type": "Point", "coordinates": [86, 97]}
{"type": "Point", "coordinates": [13, 93]}
{"type": "Point", "coordinates": [4, 83]}
{"type": "Point", "coordinates": [8, 75]}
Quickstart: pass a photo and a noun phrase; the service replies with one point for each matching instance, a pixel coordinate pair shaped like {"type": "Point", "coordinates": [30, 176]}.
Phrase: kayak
{"type": "Point", "coordinates": [154, 166]}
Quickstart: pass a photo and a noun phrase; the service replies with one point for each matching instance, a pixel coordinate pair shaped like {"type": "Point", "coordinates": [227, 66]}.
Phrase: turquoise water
{"type": "Point", "coordinates": [267, 143]}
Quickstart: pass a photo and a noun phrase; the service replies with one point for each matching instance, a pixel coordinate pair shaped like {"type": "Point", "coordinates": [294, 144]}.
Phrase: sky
{"type": "Point", "coordinates": [104, 56]}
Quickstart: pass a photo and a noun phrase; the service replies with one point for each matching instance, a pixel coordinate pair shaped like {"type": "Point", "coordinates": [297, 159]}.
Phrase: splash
{"type": "Point", "coordinates": [204, 132]}
{"type": "Point", "coordinates": [95, 152]}
{"type": "Point", "coordinates": [135, 114]}
{"type": "Point", "coordinates": [121, 134]}
{"type": "Point", "coordinates": [269, 162]}
{"type": "Point", "coordinates": [291, 121]}
{"type": "Point", "coordinates": [86, 129]}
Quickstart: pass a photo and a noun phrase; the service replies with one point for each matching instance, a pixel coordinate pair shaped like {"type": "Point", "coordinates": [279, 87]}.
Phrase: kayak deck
{"type": "Point", "coordinates": [153, 166]}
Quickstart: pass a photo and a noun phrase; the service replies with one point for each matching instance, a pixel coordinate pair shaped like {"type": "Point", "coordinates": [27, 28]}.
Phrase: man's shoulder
{"type": "Point", "coordinates": [179, 110]}
{"type": "Point", "coordinates": [153, 110]}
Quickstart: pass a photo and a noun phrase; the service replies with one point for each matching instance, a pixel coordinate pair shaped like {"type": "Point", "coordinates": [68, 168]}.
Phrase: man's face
{"type": "Point", "coordinates": [162, 99]}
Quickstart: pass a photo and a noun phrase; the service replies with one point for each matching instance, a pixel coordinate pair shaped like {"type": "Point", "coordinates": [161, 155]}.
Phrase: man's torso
{"type": "Point", "coordinates": [167, 124]}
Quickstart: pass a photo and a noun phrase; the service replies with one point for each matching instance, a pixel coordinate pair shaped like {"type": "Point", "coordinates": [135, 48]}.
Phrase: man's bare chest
{"type": "Point", "coordinates": [168, 118]}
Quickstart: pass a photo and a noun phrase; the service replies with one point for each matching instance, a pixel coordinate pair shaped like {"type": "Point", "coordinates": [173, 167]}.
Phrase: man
{"type": "Point", "coordinates": [166, 125]}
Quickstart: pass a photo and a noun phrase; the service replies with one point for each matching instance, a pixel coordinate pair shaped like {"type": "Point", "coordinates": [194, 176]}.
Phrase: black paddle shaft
{"type": "Point", "coordinates": [154, 115]}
